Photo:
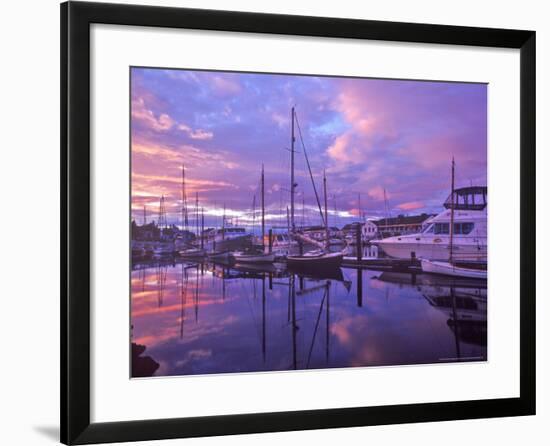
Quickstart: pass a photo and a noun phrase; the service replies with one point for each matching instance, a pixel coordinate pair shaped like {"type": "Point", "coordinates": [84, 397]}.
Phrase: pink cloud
{"type": "Point", "coordinates": [344, 151]}
{"type": "Point", "coordinates": [225, 86]}
{"type": "Point", "coordinates": [377, 193]}
{"type": "Point", "coordinates": [141, 113]}
{"type": "Point", "coordinates": [195, 134]}
{"type": "Point", "coordinates": [201, 134]}
{"type": "Point", "coordinates": [411, 205]}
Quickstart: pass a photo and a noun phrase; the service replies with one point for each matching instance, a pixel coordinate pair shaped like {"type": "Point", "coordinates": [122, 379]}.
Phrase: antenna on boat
{"type": "Point", "coordinates": [386, 210]}
{"type": "Point", "coordinates": [451, 229]}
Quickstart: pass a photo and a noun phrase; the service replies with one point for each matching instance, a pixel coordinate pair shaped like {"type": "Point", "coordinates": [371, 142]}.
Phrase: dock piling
{"type": "Point", "coordinates": [358, 243]}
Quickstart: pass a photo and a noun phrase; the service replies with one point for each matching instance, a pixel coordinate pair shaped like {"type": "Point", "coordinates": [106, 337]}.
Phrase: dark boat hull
{"type": "Point", "coordinates": [315, 266]}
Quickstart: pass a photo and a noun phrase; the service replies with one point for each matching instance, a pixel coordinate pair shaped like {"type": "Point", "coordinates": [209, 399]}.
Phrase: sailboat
{"type": "Point", "coordinates": [254, 255]}
{"type": "Point", "coordinates": [471, 270]}
{"type": "Point", "coordinates": [321, 258]}
{"type": "Point", "coordinates": [195, 251]}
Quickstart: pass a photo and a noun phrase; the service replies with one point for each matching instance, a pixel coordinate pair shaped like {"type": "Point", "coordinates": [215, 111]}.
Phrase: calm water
{"type": "Point", "coordinates": [190, 318]}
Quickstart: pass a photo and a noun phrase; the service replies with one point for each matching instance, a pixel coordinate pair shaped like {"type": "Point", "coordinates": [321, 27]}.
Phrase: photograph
{"type": "Point", "coordinates": [288, 222]}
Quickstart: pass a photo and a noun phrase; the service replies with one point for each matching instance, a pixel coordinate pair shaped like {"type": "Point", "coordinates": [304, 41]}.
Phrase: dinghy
{"type": "Point", "coordinates": [315, 260]}
{"type": "Point", "coordinates": [452, 269]}
{"type": "Point", "coordinates": [244, 257]}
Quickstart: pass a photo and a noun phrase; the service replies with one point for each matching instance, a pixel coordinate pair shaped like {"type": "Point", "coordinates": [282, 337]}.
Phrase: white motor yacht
{"type": "Point", "coordinates": [434, 242]}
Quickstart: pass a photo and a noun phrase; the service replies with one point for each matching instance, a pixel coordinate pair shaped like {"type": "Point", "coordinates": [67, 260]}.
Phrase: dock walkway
{"type": "Point", "coordinates": [385, 264]}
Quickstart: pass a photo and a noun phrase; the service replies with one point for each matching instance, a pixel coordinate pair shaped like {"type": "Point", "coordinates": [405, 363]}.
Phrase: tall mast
{"type": "Point", "coordinates": [292, 182]}
{"type": "Point", "coordinates": [303, 211]}
{"type": "Point", "coordinates": [197, 212]}
{"type": "Point", "coordinates": [263, 209]}
{"type": "Point", "coordinates": [386, 211]}
{"type": "Point", "coordinates": [202, 228]}
{"type": "Point", "coordinates": [327, 241]}
{"type": "Point", "coordinates": [162, 223]}
{"type": "Point", "coordinates": [253, 214]}
{"type": "Point", "coordinates": [144, 215]}
{"type": "Point", "coordinates": [184, 218]}
{"type": "Point", "coordinates": [287, 219]}
{"type": "Point", "coordinates": [223, 223]}
{"type": "Point", "coordinates": [451, 229]}
{"type": "Point", "coordinates": [359, 205]}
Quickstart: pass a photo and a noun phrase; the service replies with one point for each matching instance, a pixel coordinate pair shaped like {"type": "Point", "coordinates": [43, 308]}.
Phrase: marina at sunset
{"type": "Point", "coordinates": [285, 222]}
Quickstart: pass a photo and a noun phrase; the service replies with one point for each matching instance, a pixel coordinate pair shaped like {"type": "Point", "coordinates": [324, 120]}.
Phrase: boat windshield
{"type": "Point", "coordinates": [428, 230]}
{"type": "Point", "coordinates": [468, 198]}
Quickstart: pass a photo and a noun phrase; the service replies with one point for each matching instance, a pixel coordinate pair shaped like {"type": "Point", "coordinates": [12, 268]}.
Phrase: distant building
{"type": "Point", "coordinates": [318, 232]}
{"type": "Point", "coordinates": [369, 230]}
{"type": "Point", "coordinates": [402, 224]}
{"type": "Point", "coordinates": [151, 232]}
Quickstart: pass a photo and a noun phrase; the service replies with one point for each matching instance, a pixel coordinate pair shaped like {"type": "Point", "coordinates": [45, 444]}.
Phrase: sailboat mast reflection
{"type": "Point", "coordinates": [455, 324]}
{"type": "Point", "coordinates": [311, 307]}
{"type": "Point", "coordinates": [294, 325]}
{"type": "Point", "coordinates": [197, 294]}
{"type": "Point", "coordinates": [327, 347]}
{"type": "Point", "coordinates": [183, 297]}
{"type": "Point", "coordinates": [263, 318]}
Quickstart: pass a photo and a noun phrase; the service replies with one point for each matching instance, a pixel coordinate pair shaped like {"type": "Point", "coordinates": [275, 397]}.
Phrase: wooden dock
{"type": "Point", "coordinates": [383, 264]}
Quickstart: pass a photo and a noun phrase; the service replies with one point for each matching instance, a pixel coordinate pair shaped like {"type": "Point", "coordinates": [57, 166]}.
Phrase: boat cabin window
{"type": "Point", "coordinates": [463, 228]}
{"type": "Point", "coordinates": [443, 228]}
{"type": "Point", "coordinates": [429, 230]}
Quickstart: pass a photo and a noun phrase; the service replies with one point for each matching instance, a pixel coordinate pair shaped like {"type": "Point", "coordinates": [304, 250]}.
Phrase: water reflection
{"type": "Point", "coordinates": [200, 318]}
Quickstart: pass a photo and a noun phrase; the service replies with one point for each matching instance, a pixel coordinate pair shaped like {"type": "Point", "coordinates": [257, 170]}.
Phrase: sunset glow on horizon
{"type": "Point", "coordinates": [370, 135]}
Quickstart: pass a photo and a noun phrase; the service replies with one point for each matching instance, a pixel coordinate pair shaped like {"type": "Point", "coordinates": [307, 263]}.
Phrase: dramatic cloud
{"type": "Point", "coordinates": [390, 141]}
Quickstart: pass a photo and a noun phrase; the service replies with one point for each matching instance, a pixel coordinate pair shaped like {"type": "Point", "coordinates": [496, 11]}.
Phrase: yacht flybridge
{"type": "Point", "coordinates": [469, 235]}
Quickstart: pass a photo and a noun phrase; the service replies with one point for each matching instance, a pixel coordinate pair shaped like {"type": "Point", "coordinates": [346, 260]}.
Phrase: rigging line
{"type": "Point", "coordinates": [316, 326]}
{"type": "Point", "coordinates": [255, 323]}
{"type": "Point", "coordinates": [309, 168]}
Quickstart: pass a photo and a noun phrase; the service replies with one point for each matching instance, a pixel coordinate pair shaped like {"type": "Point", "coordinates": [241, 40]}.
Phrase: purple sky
{"type": "Point", "coordinates": [369, 135]}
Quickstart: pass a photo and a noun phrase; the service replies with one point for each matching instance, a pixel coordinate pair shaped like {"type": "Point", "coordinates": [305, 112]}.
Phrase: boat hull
{"type": "Point", "coordinates": [254, 258]}
{"type": "Point", "coordinates": [448, 269]}
{"type": "Point", "coordinates": [324, 261]}
{"type": "Point", "coordinates": [432, 251]}
{"type": "Point", "coordinates": [222, 257]}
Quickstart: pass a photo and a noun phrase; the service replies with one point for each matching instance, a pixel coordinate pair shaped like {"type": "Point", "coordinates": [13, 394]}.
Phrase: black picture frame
{"type": "Point", "coordinates": [76, 18]}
